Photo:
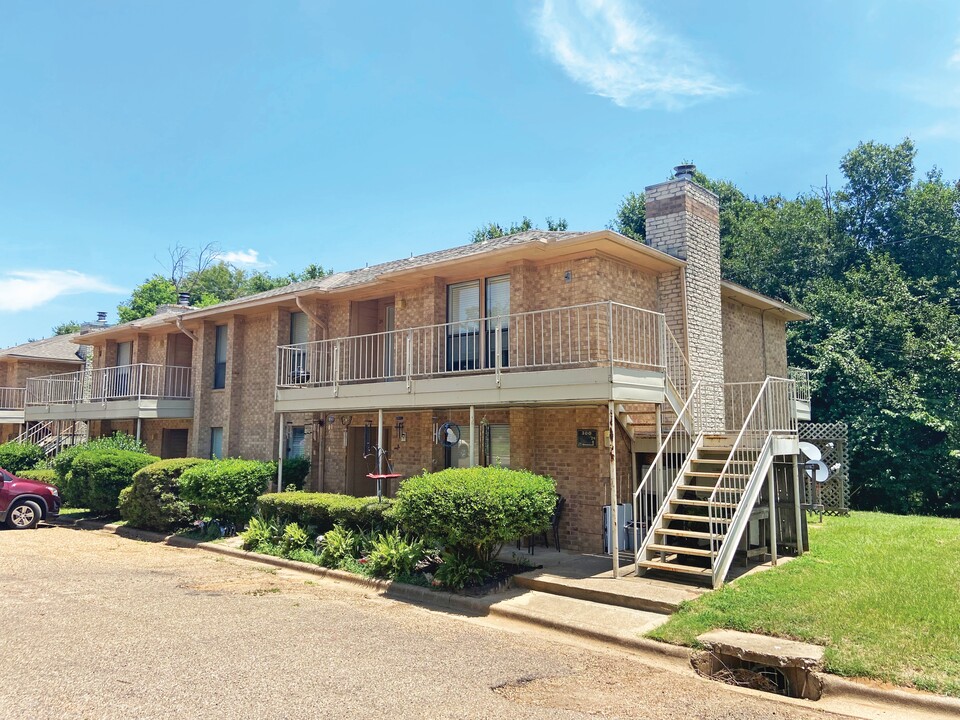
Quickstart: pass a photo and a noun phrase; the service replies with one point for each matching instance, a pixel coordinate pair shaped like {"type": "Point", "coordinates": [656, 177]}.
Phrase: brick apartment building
{"type": "Point", "coordinates": [572, 354]}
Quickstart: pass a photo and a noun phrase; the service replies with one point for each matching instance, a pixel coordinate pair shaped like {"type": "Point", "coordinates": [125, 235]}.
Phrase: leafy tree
{"type": "Point", "coordinates": [143, 302]}
{"type": "Point", "coordinates": [886, 360]}
{"type": "Point", "coordinates": [631, 219]}
{"type": "Point", "coordinates": [66, 328]}
{"type": "Point", "coordinates": [491, 231]}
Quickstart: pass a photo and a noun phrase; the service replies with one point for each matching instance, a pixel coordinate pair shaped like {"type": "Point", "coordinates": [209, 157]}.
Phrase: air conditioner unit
{"type": "Point", "coordinates": [624, 528]}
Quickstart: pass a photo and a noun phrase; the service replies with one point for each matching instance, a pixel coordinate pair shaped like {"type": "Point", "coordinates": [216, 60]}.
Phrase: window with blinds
{"type": "Point", "coordinates": [296, 443]}
{"type": "Point", "coordinates": [497, 445]}
{"type": "Point", "coordinates": [220, 358]}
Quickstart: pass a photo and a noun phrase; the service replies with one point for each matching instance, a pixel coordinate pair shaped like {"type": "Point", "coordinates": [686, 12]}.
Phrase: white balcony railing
{"type": "Point", "coordinates": [598, 334]}
{"type": "Point", "coordinates": [801, 379]}
{"type": "Point", "coordinates": [12, 398]}
{"type": "Point", "coordinates": [125, 382]}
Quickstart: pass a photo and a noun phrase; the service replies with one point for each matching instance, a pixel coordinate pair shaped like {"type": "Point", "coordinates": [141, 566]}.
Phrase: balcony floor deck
{"type": "Point", "coordinates": [543, 387]}
{"type": "Point", "coordinates": [119, 409]}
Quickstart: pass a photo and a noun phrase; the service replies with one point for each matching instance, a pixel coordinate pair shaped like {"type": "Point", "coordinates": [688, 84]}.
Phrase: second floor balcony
{"type": "Point", "coordinates": [123, 392]}
{"type": "Point", "coordinates": [11, 404]}
{"type": "Point", "coordinates": [584, 353]}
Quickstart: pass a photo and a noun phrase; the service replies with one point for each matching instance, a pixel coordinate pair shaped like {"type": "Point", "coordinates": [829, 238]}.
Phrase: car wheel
{"type": "Point", "coordinates": [24, 516]}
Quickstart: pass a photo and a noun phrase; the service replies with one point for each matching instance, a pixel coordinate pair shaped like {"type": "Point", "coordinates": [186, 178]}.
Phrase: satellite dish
{"type": "Point", "coordinates": [811, 451]}
{"type": "Point", "coordinates": [817, 470]}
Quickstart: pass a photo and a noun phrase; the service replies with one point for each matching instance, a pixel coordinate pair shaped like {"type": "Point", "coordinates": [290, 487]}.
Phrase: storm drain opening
{"type": "Point", "coordinates": [782, 667]}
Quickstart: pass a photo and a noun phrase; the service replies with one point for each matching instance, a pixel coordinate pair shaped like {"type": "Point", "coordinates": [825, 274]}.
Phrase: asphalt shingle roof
{"type": "Point", "coordinates": [59, 347]}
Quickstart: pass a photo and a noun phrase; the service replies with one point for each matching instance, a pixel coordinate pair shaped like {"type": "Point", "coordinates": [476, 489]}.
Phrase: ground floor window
{"type": "Point", "coordinates": [216, 443]}
{"type": "Point", "coordinates": [295, 442]}
{"type": "Point", "coordinates": [494, 447]}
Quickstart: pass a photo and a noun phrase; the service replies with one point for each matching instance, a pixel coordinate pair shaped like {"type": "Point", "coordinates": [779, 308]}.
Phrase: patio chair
{"type": "Point", "coordinates": [554, 527]}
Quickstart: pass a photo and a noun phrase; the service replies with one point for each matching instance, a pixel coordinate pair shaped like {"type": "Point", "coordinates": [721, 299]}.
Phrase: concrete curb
{"type": "Point", "coordinates": [834, 686]}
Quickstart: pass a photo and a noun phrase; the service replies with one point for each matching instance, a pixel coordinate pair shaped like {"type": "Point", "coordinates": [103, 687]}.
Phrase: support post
{"type": "Point", "coordinates": [280, 456]}
{"type": "Point", "coordinates": [138, 429]}
{"type": "Point", "coordinates": [473, 448]}
{"type": "Point", "coordinates": [322, 465]}
{"type": "Point", "coordinates": [798, 503]}
{"type": "Point", "coordinates": [772, 492]}
{"type": "Point", "coordinates": [614, 520]}
{"type": "Point", "coordinates": [658, 409]}
{"type": "Point", "coordinates": [380, 454]}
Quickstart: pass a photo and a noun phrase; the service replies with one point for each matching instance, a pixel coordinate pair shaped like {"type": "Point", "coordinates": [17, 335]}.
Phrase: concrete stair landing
{"type": "Point", "coordinates": [590, 577]}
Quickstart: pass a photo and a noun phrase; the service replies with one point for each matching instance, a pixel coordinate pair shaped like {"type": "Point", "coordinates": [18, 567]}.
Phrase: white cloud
{"type": "Point", "coordinates": [245, 258]}
{"type": "Point", "coordinates": [954, 60]}
{"type": "Point", "coordinates": [25, 289]}
{"type": "Point", "coordinates": [618, 52]}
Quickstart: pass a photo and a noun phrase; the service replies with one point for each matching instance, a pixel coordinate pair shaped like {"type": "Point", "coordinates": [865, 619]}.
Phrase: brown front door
{"type": "Point", "coordinates": [174, 444]}
{"type": "Point", "coordinates": [362, 441]}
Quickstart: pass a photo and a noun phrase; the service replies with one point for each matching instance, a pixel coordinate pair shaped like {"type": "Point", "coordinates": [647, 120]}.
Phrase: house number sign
{"type": "Point", "coordinates": [586, 438]}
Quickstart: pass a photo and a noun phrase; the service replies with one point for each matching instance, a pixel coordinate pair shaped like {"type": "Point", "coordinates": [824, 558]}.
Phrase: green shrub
{"type": "Point", "coordinates": [97, 477]}
{"type": "Point", "coordinates": [153, 501]}
{"type": "Point", "coordinates": [294, 538]}
{"type": "Point", "coordinates": [456, 571]}
{"type": "Point", "coordinates": [226, 489]}
{"type": "Point", "coordinates": [473, 511]}
{"type": "Point", "coordinates": [260, 533]}
{"type": "Point", "coordinates": [322, 511]}
{"type": "Point", "coordinates": [295, 471]}
{"type": "Point", "coordinates": [47, 476]}
{"type": "Point", "coordinates": [338, 545]}
{"type": "Point", "coordinates": [63, 462]}
{"type": "Point", "coordinates": [394, 555]}
{"type": "Point", "coordinates": [15, 457]}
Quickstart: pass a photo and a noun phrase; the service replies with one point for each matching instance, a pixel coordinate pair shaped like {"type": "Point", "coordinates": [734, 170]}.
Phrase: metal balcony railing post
{"type": "Point", "coordinates": [409, 362]}
{"type": "Point", "coordinates": [336, 368]}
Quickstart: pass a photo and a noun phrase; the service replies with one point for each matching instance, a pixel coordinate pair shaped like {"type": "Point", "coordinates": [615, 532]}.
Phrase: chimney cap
{"type": "Point", "coordinates": [102, 317]}
{"type": "Point", "coordinates": [183, 299]}
{"type": "Point", "coordinates": [685, 171]}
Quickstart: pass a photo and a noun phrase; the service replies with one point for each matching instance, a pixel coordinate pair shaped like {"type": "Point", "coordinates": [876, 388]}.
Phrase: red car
{"type": "Point", "coordinates": [24, 503]}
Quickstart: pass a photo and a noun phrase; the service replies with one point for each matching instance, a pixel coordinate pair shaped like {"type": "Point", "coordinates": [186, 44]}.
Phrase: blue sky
{"type": "Point", "coordinates": [351, 133]}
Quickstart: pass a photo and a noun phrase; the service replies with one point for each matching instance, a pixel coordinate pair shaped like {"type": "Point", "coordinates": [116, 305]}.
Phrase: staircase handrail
{"type": "Point", "coordinates": [760, 424]}
{"type": "Point", "coordinates": [689, 407]}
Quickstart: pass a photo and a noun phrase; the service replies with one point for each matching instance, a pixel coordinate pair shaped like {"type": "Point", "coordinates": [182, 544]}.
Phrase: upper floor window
{"type": "Point", "coordinates": [472, 334]}
{"type": "Point", "coordinates": [220, 358]}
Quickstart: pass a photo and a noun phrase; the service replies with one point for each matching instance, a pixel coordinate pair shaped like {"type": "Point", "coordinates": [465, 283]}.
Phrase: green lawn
{"type": "Point", "coordinates": [880, 592]}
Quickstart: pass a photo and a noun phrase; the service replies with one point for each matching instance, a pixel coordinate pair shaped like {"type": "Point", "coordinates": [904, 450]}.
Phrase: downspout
{"type": "Point", "coordinates": [314, 318]}
{"type": "Point", "coordinates": [189, 333]}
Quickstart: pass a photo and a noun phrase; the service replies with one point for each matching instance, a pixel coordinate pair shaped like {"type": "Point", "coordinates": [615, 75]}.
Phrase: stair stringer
{"type": "Point", "coordinates": [741, 516]}
{"type": "Point", "coordinates": [671, 494]}
{"type": "Point", "coordinates": [676, 403]}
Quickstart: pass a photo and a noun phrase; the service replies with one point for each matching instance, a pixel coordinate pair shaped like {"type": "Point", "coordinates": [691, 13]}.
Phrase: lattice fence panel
{"type": "Point", "coordinates": [831, 438]}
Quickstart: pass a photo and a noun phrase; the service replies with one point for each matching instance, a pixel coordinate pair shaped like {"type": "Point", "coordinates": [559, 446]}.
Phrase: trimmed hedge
{"type": "Point", "coordinates": [98, 476]}
{"type": "Point", "coordinates": [47, 476]}
{"type": "Point", "coordinates": [324, 510]}
{"type": "Point", "coordinates": [152, 501]}
{"type": "Point", "coordinates": [15, 457]}
{"type": "Point", "coordinates": [63, 462]}
{"type": "Point", "coordinates": [473, 511]}
{"type": "Point", "coordinates": [227, 489]}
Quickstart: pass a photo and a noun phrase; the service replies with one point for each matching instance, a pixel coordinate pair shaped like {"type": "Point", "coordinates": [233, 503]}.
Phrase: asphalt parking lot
{"type": "Point", "coordinates": [98, 626]}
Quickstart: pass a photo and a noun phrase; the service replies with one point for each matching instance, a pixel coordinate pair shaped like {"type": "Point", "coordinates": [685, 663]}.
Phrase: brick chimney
{"type": "Point", "coordinates": [683, 220]}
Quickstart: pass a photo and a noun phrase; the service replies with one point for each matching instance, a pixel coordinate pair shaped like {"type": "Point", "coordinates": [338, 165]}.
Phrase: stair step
{"type": "Point", "coordinates": [686, 533]}
{"type": "Point", "coordinates": [679, 550]}
{"type": "Point", "coordinates": [694, 518]}
{"type": "Point", "coordinates": [709, 461]}
{"type": "Point", "coordinates": [702, 503]}
{"type": "Point", "coordinates": [675, 567]}
{"type": "Point", "coordinates": [706, 488]}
